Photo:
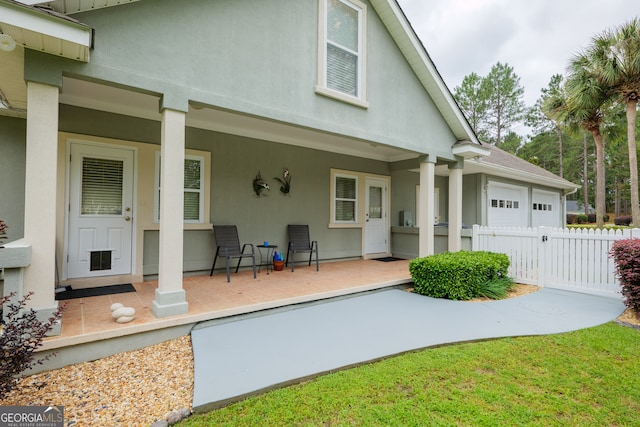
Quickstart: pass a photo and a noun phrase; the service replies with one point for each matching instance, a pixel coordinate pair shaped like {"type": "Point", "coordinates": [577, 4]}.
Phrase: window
{"type": "Point", "coordinates": [341, 71]}
{"type": "Point", "coordinates": [194, 167]}
{"type": "Point", "coordinates": [507, 204]}
{"type": "Point", "coordinates": [346, 198]}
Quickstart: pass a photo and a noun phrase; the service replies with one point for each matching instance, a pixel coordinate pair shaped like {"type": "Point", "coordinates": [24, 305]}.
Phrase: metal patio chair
{"type": "Point", "coordinates": [299, 241]}
{"type": "Point", "coordinates": [228, 246]}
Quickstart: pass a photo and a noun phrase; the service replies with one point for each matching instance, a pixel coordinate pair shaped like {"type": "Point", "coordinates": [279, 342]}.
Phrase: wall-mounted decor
{"type": "Point", "coordinates": [259, 185]}
{"type": "Point", "coordinates": [285, 182]}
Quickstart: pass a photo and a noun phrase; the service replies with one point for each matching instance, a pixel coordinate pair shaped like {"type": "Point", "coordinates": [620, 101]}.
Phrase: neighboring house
{"type": "Point", "coordinates": [576, 207]}
{"type": "Point", "coordinates": [128, 130]}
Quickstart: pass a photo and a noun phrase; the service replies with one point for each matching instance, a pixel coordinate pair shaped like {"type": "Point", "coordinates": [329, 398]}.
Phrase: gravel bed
{"type": "Point", "coordinates": [135, 388]}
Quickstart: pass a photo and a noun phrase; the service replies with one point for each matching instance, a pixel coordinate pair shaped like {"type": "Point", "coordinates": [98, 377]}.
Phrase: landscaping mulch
{"type": "Point", "coordinates": [135, 388]}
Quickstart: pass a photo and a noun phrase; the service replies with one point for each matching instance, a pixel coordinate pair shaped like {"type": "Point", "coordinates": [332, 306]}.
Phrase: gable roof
{"type": "Point", "coordinates": [392, 17]}
{"type": "Point", "coordinates": [505, 164]}
{"type": "Point", "coordinates": [401, 31]}
{"type": "Point", "coordinates": [416, 55]}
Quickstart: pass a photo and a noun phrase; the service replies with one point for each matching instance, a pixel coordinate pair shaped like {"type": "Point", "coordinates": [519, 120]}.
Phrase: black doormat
{"type": "Point", "coordinates": [94, 292]}
{"type": "Point", "coordinates": [388, 259]}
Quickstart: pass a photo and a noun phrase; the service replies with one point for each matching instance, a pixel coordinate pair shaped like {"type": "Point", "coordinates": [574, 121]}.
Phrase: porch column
{"type": "Point", "coordinates": [427, 213]}
{"type": "Point", "coordinates": [170, 297]}
{"type": "Point", "coordinates": [455, 207]}
{"type": "Point", "coordinates": [40, 197]}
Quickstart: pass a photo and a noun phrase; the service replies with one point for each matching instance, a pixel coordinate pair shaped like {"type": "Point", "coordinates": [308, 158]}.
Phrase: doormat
{"type": "Point", "coordinates": [388, 259]}
{"type": "Point", "coordinates": [94, 292]}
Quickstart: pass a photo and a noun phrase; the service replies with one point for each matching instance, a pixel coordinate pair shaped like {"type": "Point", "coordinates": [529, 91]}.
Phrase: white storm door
{"type": "Point", "coordinates": [375, 229]}
{"type": "Point", "coordinates": [100, 211]}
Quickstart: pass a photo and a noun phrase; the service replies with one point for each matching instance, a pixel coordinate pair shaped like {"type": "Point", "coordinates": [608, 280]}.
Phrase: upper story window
{"type": "Point", "coordinates": [341, 70]}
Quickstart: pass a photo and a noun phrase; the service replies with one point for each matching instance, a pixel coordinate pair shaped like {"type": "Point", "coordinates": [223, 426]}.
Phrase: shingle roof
{"type": "Point", "coordinates": [504, 159]}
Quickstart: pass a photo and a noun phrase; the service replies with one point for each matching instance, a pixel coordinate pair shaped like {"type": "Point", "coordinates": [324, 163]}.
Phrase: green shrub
{"type": "Point", "coordinates": [457, 275]}
{"type": "Point", "coordinates": [497, 288]}
{"type": "Point", "coordinates": [582, 219]}
{"type": "Point", "coordinates": [626, 255]}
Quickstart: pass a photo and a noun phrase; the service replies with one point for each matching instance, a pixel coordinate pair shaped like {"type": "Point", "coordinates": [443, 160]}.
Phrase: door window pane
{"type": "Point", "coordinates": [101, 186]}
{"type": "Point", "coordinates": [375, 202]}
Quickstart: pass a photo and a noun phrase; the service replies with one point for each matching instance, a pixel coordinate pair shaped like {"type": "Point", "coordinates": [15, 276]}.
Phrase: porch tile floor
{"type": "Point", "coordinates": [89, 319]}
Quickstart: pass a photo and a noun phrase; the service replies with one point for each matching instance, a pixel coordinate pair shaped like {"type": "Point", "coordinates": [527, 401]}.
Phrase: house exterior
{"type": "Point", "coordinates": [130, 128]}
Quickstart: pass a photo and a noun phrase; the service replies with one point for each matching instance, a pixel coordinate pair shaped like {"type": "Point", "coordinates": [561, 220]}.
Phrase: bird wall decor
{"type": "Point", "coordinates": [285, 182]}
{"type": "Point", "coordinates": [259, 185]}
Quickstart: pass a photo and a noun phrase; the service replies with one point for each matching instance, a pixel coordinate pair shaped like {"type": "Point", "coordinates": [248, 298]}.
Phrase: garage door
{"type": "Point", "coordinates": [546, 209]}
{"type": "Point", "coordinates": [507, 205]}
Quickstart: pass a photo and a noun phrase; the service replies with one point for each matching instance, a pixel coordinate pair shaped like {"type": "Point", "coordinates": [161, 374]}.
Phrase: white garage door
{"type": "Point", "coordinates": [546, 209]}
{"type": "Point", "coordinates": [507, 205]}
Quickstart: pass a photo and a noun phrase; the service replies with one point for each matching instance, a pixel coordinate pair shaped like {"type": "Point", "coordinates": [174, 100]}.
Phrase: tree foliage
{"type": "Point", "coordinates": [493, 104]}
{"type": "Point", "coordinates": [594, 102]}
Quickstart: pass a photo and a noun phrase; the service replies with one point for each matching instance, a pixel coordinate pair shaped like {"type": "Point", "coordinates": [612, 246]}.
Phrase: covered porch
{"type": "Point", "coordinates": [88, 331]}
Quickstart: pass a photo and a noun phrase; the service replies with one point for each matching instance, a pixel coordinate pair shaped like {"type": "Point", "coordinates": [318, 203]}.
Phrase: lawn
{"type": "Point", "coordinates": [584, 378]}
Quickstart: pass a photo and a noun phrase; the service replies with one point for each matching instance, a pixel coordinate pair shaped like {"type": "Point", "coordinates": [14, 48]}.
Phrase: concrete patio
{"type": "Point", "coordinates": [89, 332]}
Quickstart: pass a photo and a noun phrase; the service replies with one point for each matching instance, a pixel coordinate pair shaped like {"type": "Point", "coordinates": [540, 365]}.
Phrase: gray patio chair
{"type": "Point", "coordinates": [299, 241]}
{"type": "Point", "coordinates": [228, 246]}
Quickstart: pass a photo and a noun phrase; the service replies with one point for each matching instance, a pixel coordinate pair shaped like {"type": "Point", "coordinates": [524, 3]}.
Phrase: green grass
{"type": "Point", "coordinates": [606, 226]}
{"type": "Point", "coordinates": [584, 378]}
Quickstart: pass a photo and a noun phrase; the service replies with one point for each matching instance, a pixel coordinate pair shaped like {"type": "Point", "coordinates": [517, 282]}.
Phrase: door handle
{"type": "Point", "coordinates": [127, 218]}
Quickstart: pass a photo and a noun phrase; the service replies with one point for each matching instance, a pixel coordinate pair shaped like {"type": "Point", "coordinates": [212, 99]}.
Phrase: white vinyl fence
{"type": "Point", "coordinates": [571, 259]}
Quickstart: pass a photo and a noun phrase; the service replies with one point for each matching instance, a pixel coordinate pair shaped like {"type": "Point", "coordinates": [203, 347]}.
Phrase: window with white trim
{"type": "Point", "coordinates": [345, 202]}
{"type": "Point", "coordinates": [194, 168]}
{"type": "Point", "coordinates": [341, 71]}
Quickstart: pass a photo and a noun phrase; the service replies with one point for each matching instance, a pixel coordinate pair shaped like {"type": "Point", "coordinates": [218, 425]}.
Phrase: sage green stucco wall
{"type": "Point", "coordinates": [235, 162]}
{"type": "Point", "coordinates": [472, 193]}
{"type": "Point", "coordinates": [256, 57]}
{"type": "Point", "coordinates": [12, 172]}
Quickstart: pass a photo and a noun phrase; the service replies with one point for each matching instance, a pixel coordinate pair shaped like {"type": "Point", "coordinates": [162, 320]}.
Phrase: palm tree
{"type": "Point", "coordinates": [584, 104]}
{"type": "Point", "coordinates": [552, 95]}
{"type": "Point", "coordinates": [614, 59]}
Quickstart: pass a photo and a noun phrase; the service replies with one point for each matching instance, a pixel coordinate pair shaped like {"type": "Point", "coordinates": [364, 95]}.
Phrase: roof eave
{"type": "Point", "coordinates": [418, 58]}
{"type": "Point", "coordinates": [38, 30]}
{"type": "Point", "coordinates": [505, 172]}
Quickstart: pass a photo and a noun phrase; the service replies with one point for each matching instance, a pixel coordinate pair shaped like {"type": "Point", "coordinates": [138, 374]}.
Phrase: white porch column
{"type": "Point", "coordinates": [455, 207]}
{"type": "Point", "coordinates": [427, 212]}
{"type": "Point", "coordinates": [170, 297]}
{"type": "Point", "coordinates": [40, 196]}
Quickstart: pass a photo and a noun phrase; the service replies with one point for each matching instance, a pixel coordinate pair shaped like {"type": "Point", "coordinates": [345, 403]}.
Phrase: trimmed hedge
{"type": "Point", "coordinates": [626, 254]}
{"type": "Point", "coordinates": [622, 220]}
{"type": "Point", "coordinates": [457, 275]}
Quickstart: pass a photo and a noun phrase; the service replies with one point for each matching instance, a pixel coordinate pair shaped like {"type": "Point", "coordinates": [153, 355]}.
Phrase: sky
{"type": "Point", "coordinates": [535, 37]}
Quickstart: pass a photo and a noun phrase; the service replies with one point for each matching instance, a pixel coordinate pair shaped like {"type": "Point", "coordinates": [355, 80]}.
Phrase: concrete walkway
{"type": "Point", "coordinates": [249, 355]}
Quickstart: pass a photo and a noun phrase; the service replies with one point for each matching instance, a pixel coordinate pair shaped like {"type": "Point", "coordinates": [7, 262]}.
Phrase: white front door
{"type": "Point", "coordinates": [100, 211]}
{"type": "Point", "coordinates": [375, 230]}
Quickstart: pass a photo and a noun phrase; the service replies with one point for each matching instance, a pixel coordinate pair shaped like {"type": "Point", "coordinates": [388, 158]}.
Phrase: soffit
{"type": "Point", "coordinates": [69, 7]}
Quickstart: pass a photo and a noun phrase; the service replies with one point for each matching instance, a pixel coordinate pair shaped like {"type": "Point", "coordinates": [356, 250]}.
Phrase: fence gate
{"type": "Point", "coordinates": [571, 259]}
